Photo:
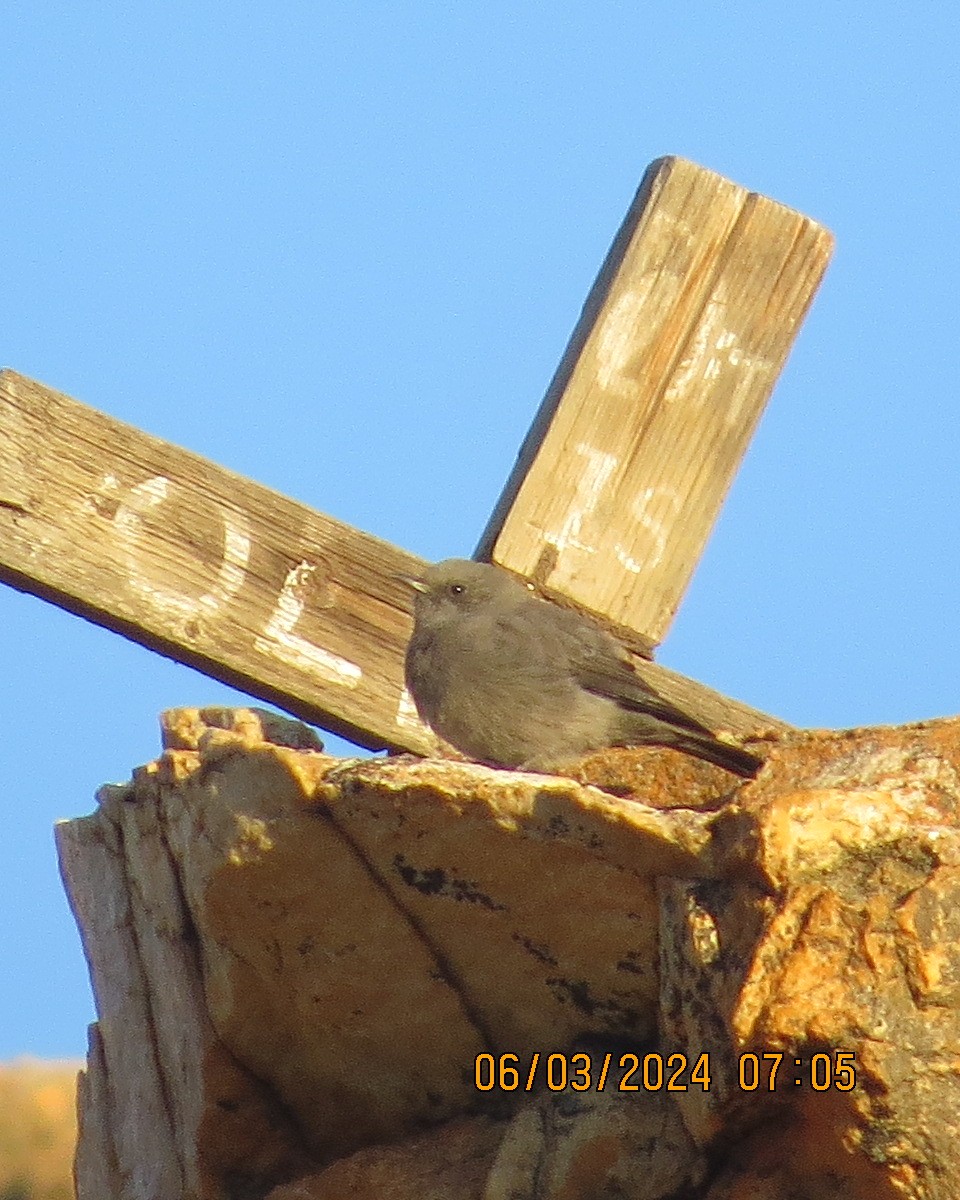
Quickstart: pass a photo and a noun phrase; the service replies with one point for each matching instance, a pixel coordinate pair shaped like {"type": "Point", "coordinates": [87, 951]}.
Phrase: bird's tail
{"type": "Point", "coordinates": [721, 754]}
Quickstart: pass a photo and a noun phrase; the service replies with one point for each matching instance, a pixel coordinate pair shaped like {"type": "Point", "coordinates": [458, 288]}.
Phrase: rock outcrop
{"type": "Point", "coordinates": [320, 978]}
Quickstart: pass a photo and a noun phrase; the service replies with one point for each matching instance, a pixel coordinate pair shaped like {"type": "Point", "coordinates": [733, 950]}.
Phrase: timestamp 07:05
{"type": "Point", "coordinates": [654, 1072]}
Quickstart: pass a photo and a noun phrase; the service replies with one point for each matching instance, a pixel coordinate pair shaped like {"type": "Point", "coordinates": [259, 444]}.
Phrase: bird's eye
{"type": "Point", "coordinates": [456, 589]}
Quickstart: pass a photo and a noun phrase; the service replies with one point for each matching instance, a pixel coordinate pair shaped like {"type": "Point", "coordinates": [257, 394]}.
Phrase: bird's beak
{"type": "Point", "coordinates": [412, 581]}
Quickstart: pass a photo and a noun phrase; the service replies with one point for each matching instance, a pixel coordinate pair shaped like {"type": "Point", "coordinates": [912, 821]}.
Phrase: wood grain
{"type": "Point", "coordinates": [218, 572]}
{"type": "Point", "coordinates": [666, 374]}
{"type": "Point", "coordinates": [200, 564]}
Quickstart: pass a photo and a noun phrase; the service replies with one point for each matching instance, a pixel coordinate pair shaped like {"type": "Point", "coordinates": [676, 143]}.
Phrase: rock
{"type": "Point", "coordinates": [298, 960]}
{"type": "Point", "coordinates": [596, 1143]}
{"type": "Point", "coordinates": [830, 949]}
{"type": "Point", "coordinates": [453, 1160]}
{"type": "Point", "coordinates": [183, 728]}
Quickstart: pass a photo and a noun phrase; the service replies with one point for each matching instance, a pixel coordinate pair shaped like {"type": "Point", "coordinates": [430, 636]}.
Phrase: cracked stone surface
{"type": "Point", "coordinates": [297, 959]}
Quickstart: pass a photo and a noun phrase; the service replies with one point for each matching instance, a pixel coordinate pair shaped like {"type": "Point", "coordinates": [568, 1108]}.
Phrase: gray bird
{"type": "Point", "coordinates": [514, 681]}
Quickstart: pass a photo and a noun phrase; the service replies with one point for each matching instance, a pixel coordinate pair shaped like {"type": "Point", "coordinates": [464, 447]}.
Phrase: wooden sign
{"type": "Point", "coordinates": [613, 496]}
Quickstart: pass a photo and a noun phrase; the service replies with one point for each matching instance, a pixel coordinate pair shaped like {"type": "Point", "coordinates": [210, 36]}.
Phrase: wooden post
{"type": "Point", "coordinates": [639, 436]}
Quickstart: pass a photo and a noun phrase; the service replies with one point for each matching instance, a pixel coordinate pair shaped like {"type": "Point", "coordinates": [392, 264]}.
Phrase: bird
{"type": "Point", "coordinates": [514, 681]}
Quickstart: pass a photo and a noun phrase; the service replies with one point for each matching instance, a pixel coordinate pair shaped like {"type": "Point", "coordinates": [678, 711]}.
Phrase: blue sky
{"type": "Point", "coordinates": [339, 248]}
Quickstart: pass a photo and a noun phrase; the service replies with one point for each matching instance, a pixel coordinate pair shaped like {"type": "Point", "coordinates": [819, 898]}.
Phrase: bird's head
{"type": "Point", "coordinates": [459, 585]}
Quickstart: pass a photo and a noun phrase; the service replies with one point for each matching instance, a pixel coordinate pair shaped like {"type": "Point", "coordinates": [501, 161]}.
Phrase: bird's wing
{"type": "Point", "coordinates": [600, 664]}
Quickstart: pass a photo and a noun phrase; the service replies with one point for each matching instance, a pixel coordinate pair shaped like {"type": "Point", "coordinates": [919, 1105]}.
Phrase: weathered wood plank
{"type": "Point", "coordinates": [218, 572]}
{"type": "Point", "coordinates": [204, 566]}
{"type": "Point", "coordinates": [666, 374]}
